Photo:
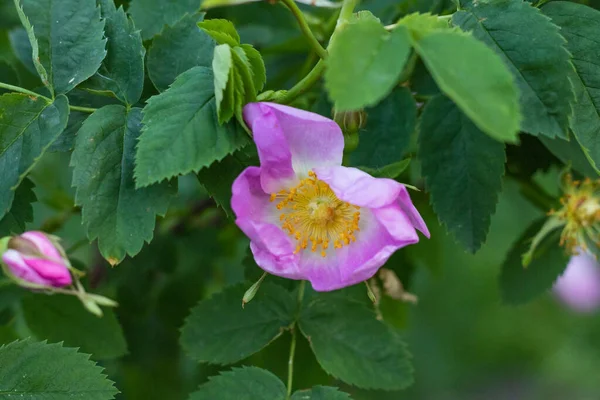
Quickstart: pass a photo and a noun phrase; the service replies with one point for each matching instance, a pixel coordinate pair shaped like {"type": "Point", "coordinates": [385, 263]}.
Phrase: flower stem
{"type": "Point", "coordinates": [83, 109]}
{"type": "Point", "coordinates": [305, 84]}
{"type": "Point", "coordinates": [30, 93]}
{"type": "Point", "coordinates": [347, 10]}
{"type": "Point", "coordinates": [290, 378]}
{"type": "Point", "coordinates": [293, 7]}
{"type": "Point", "coordinates": [22, 90]}
{"type": "Point", "coordinates": [291, 363]}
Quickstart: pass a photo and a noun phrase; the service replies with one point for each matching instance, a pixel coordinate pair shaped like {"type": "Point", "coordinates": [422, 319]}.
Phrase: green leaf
{"type": "Point", "coordinates": [246, 383]}
{"type": "Point", "coordinates": [178, 48]}
{"type": "Point", "coordinates": [151, 15]}
{"type": "Point", "coordinates": [21, 46]}
{"type": "Point", "coordinates": [181, 132]}
{"type": "Point", "coordinates": [486, 94]}
{"type": "Point", "coordinates": [421, 25]}
{"type": "Point", "coordinates": [222, 66]}
{"type": "Point", "coordinates": [114, 211]}
{"type": "Point", "coordinates": [218, 178]}
{"type": "Point", "coordinates": [67, 40]}
{"type": "Point", "coordinates": [511, 28]}
{"type": "Point", "coordinates": [355, 81]}
{"type": "Point", "coordinates": [570, 153]}
{"type": "Point", "coordinates": [221, 30]}
{"type": "Point", "coordinates": [386, 137]}
{"type": "Point", "coordinates": [247, 91]}
{"type": "Point", "coordinates": [28, 125]}
{"type": "Point", "coordinates": [122, 71]}
{"type": "Point", "coordinates": [64, 319]}
{"type": "Point", "coordinates": [66, 140]}
{"type": "Point", "coordinates": [33, 371]}
{"type": "Point", "coordinates": [321, 393]}
{"type": "Point", "coordinates": [259, 73]}
{"type": "Point", "coordinates": [463, 170]}
{"type": "Point", "coordinates": [518, 284]}
{"type": "Point", "coordinates": [390, 171]}
{"type": "Point", "coordinates": [580, 26]}
{"type": "Point", "coordinates": [220, 331]}
{"type": "Point", "coordinates": [21, 210]}
{"type": "Point", "coordinates": [353, 346]}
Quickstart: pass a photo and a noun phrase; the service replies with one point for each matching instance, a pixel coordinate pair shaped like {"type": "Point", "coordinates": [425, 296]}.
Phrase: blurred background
{"type": "Point", "coordinates": [465, 343]}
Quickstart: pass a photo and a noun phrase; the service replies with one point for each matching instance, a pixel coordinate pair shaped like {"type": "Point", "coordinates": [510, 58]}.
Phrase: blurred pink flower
{"type": "Point", "coordinates": [579, 286]}
{"type": "Point", "coordinates": [33, 258]}
{"type": "Point", "coordinates": [308, 217]}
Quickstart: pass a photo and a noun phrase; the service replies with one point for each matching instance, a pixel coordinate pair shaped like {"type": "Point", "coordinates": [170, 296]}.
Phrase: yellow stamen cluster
{"type": "Point", "coordinates": [313, 215]}
{"type": "Point", "coordinates": [580, 214]}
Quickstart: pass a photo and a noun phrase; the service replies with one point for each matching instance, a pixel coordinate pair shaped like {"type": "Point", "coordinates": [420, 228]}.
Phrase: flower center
{"type": "Point", "coordinates": [311, 212]}
{"type": "Point", "coordinates": [580, 213]}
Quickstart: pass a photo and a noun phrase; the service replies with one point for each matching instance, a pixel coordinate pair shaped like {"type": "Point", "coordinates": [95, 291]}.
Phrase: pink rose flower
{"type": "Point", "coordinates": [33, 258]}
{"type": "Point", "coordinates": [308, 217]}
{"type": "Point", "coordinates": [579, 286]}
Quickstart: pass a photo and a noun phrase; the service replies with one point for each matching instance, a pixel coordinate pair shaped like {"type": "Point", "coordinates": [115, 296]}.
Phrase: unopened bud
{"type": "Point", "coordinates": [350, 121]}
{"type": "Point", "coordinates": [36, 260]}
{"type": "Point", "coordinates": [251, 292]}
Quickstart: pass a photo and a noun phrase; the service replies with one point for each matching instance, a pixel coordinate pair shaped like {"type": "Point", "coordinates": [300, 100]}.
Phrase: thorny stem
{"type": "Point", "coordinates": [290, 378]}
{"type": "Point", "coordinates": [291, 4]}
{"type": "Point", "coordinates": [30, 93]}
{"type": "Point", "coordinates": [305, 84]}
{"type": "Point", "coordinates": [83, 109]}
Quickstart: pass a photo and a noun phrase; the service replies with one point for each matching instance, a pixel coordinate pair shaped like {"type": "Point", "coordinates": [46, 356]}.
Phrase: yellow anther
{"type": "Point", "coordinates": [312, 213]}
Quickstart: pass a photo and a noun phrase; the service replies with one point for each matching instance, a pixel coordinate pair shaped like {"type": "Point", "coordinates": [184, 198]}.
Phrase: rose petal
{"type": "Point", "coordinates": [248, 199]}
{"type": "Point", "coordinates": [361, 189]}
{"type": "Point", "coordinates": [360, 260]}
{"type": "Point", "coordinates": [288, 137]}
{"type": "Point", "coordinates": [579, 286]}
{"type": "Point", "coordinates": [43, 243]}
{"type": "Point", "coordinates": [17, 266]}
{"type": "Point", "coordinates": [50, 270]}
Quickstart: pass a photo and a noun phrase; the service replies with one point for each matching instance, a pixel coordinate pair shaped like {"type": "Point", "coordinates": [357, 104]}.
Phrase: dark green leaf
{"type": "Point", "coordinates": [218, 178]}
{"type": "Point", "coordinates": [22, 48]}
{"type": "Point", "coordinates": [486, 94]}
{"type": "Point", "coordinates": [28, 125]}
{"type": "Point", "coordinates": [122, 71]}
{"type": "Point", "coordinates": [519, 284]}
{"type": "Point", "coordinates": [67, 40]}
{"type": "Point", "coordinates": [580, 26]}
{"type": "Point", "coordinates": [511, 28]}
{"type": "Point", "coordinates": [181, 132]}
{"type": "Point", "coordinates": [353, 346]}
{"type": "Point", "coordinates": [220, 331]}
{"type": "Point", "coordinates": [321, 393]}
{"type": "Point", "coordinates": [463, 170]}
{"type": "Point", "coordinates": [570, 153]}
{"type": "Point", "coordinates": [114, 211]}
{"type": "Point", "coordinates": [386, 137]}
{"type": "Point", "coordinates": [21, 210]}
{"type": "Point", "coordinates": [62, 318]}
{"type": "Point", "coordinates": [355, 81]}
{"type": "Point", "coordinates": [151, 15]}
{"type": "Point", "coordinates": [34, 371]}
{"type": "Point", "coordinates": [178, 48]}
{"type": "Point", "coordinates": [222, 31]}
{"type": "Point", "coordinates": [246, 383]}
{"type": "Point", "coordinates": [66, 140]}
{"type": "Point", "coordinates": [391, 171]}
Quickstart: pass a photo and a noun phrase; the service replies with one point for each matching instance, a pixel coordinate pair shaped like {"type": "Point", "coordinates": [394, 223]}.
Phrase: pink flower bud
{"type": "Point", "coordinates": [579, 286]}
{"type": "Point", "coordinates": [34, 258]}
